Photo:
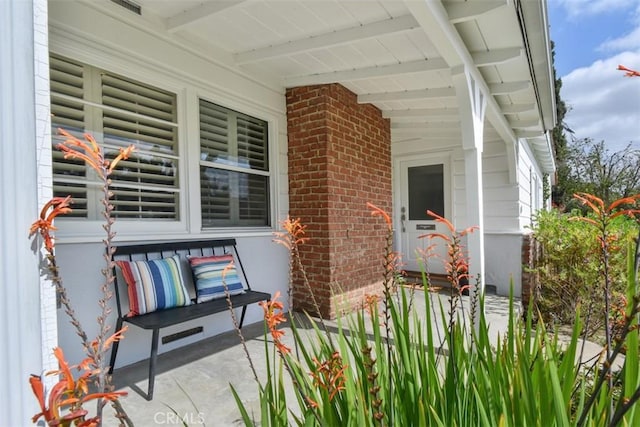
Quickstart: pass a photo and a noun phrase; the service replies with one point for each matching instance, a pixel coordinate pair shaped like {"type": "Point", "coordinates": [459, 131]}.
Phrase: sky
{"type": "Point", "coordinates": [592, 37]}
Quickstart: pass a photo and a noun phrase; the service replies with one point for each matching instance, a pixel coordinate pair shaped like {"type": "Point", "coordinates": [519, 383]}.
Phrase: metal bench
{"type": "Point", "coordinates": [157, 320]}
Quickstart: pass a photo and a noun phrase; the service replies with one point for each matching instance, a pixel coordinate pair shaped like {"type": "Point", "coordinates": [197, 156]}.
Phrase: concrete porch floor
{"type": "Point", "coordinates": [194, 381]}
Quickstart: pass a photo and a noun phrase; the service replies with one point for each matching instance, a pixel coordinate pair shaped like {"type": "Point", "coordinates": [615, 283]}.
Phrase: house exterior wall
{"type": "Point", "coordinates": [501, 197]}
{"type": "Point", "coordinates": [78, 30]}
{"type": "Point", "coordinates": [530, 181]}
{"type": "Point", "coordinates": [507, 248]}
{"type": "Point", "coordinates": [503, 238]}
{"type": "Point", "coordinates": [27, 307]}
{"type": "Point", "coordinates": [339, 159]}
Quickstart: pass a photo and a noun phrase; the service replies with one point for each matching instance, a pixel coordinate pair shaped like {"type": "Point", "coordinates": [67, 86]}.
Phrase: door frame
{"type": "Point", "coordinates": [444, 157]}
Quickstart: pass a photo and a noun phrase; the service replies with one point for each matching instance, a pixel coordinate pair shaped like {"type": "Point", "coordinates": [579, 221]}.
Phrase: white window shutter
{"type": "Point", "coordinates": [234, 168]}
{"type": "Point", "coordinates": [122, 112]}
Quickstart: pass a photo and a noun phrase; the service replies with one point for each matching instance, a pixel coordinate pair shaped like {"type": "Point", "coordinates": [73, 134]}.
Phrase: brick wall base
{"type": "Point", "coordinates": [530, 280]}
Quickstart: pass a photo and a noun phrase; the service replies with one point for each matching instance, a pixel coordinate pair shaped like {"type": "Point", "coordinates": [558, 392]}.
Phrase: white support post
{"type": "Point", "coordinates": [27, 322]}
{"type": "Point", "coordinates": [472, 105]}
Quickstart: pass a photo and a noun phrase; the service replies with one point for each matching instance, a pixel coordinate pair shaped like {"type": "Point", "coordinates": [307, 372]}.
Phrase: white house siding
{"type": "Point", "coordinates": [503, 245]}
{"type": "Point", "coordinates": [500, 195]}
{"type": "Point", "coordinates": [81, 32]}
{"type": "Point", "coordinates": [503, 238]}
{"type": "Point", "coordinates": [530, 179]}
{"type": "Point", "coordinates": [26, 321]}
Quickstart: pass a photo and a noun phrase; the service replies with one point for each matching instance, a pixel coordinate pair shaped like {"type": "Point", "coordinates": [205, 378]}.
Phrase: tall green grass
{"type": "Point", "coordinates": [407, 364]}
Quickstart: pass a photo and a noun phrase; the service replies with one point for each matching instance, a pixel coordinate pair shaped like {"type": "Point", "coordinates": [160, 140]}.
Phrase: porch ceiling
{"type": "Point", "coordinates": [386, 52]}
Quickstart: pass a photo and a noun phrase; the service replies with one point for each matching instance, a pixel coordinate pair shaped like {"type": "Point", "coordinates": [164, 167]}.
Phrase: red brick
{"type": "Point", "coordinates": [339, 158]}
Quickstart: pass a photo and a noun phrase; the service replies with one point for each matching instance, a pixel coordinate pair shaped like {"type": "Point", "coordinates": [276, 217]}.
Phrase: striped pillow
{"type": "Point", "coordinates": [208, 272]}
{"type": "Point", "coordinates": [154, 285]}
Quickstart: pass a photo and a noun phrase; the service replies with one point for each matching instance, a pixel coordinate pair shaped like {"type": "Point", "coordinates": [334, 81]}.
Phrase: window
{"type": "Point", "coordinates": [235, 178]}
{"type": "Point", "coordinates": [234, 168]}
{"type": "Point", "coordinates": [118, 112]}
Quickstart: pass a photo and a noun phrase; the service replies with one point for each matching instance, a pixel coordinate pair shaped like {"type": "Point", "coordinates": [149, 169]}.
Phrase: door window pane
{"type": "Point", "coordinates": [426, 191]}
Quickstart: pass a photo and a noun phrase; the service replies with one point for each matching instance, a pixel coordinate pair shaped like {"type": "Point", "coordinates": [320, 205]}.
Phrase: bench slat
{"type": "Point", "coordinates": [173, 316]}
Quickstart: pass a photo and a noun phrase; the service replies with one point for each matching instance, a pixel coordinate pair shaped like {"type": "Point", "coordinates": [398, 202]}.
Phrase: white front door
{"type": "Point", "coordinates": [424, 185]}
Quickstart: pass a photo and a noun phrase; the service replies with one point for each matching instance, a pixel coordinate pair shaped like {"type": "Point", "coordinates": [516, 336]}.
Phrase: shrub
{"type": "Point", "coordinates": [570, 266]}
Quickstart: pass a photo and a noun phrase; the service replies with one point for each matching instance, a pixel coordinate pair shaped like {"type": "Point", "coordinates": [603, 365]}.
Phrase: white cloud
{"type": "Point", "coordinates": [576, 8]}
{"type": "Point", "coordinates": [603, 104]}
{"type": "Point", "coordinates": [630, 41]}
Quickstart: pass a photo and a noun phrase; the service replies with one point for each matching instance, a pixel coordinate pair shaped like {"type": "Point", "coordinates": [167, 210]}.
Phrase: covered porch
{"type": "Point", "coordinates": [326, 105]}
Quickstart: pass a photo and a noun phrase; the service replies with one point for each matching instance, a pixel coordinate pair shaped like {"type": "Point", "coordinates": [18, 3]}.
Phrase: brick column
{"type": "Point", "coordinates": [339, 159]}
{"type": "Point", "coordinates": [530, 280]}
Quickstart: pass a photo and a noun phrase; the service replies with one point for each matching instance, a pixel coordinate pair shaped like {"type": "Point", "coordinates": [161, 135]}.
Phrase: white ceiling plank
{"type": "Point", "coordinates": [362, 32]}
{"type": "Point", "coordinates": [198, 13]}
{"type": "Point", "coordinates": [367, 72]}
{"type": "Point", "coordinates": [497, 56]}
{"type": "Point", "coordinates": [506, 88]}
{"type": "Point", "coordinates": [441, 92]}
{"type": "Point", "coordinates": [428, 113]}
{"type": "Point", "coordinates": [425, 132]}
{"type": "Point", "coordinates": [461, 12]}
{"type": "Point", "coordinates": [529, 134]}
{"type": "Point", "coordinates": [517, 108]}
{"type": "Point", "coordinates": [525, 124]}
{"type": "Point", "coordinates": [424, 125]}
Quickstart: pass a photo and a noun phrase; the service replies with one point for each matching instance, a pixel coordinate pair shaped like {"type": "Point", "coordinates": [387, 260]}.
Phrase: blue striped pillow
{"type": "Point", "coordinates": [154, 285]}
{"type": "Point", "coordinates": [210, 283]}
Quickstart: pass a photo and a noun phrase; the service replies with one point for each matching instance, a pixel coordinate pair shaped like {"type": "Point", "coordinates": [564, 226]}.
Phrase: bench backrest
{"type": "Point", "coordinates": [157, 250]}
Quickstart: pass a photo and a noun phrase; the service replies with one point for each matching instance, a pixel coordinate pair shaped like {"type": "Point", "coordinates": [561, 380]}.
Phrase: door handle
{"type": "Point", "coordinates": [403, 218]}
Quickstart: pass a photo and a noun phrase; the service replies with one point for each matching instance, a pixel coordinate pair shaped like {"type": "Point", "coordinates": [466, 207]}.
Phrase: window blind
{"type": "Point", "coordinates": [67, 112]}
{"type": "Point", "coordinates": [145, 185]}
{"type": "Point", "coordinates": [234, 168]}
{"type": "Point", "coordinates": [118, 112]}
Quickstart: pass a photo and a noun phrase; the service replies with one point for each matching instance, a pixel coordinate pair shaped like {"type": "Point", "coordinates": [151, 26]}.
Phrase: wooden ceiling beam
{"type": "Point", "coordinates": [440, 92]}
{"type": "Point", "coordinates": [204, 10]}
{"type": "Point", "coordinates": [423, 65]}
{"type": "Point", "coordinates": [335, 38]}
{"type": "Point", "coordinates": [467, 11]}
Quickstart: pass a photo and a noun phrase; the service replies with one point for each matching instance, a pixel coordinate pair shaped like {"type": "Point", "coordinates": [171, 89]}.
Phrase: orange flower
{"type": "Point", "coordinates": [628, 71]}
{"type": "Point", "coordinates": [601, 211]}
{"type": "Point", "coordinates": [312, 403]}
{"type": "Point", "coordinates": [123, 155]}
{"type": "Point", "coordinates": [376, 211]}
{"type": "Point", "coordinates": [68, 394]}
{"type": "Point", "coordinates": [456, 265]}
{"type": "Point", "coordinates": [293, 234]}
{"type": "Point", "coordinates": [90, 152]}
{"type": "Point", "coordinates": [273, 318]}
{"type": "Point", "coordinates": [329, 374]}
{"type": "Point", "coordinates": [450, 226]}
{"type": "Point", "coordinates": [371, 301]}
{"type": "Point", "coordinates": [44, 225]}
